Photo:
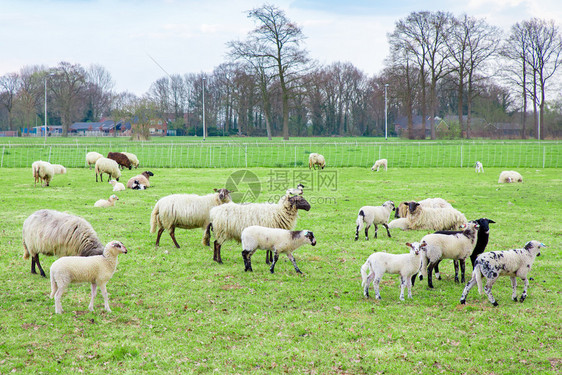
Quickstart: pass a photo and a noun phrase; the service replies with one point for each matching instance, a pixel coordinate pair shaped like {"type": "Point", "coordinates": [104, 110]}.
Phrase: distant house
{"type": "Point", "coordinates": [401, 127]}
{"type": "Point", "coordinates": [155, 127]}
{"type": "Point", "coordinates": [102, 128]}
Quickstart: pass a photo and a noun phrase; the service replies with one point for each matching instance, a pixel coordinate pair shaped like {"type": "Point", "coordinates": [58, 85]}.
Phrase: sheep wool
{"type": "Point", "coordinates": [57, 233]}
{"type": "Point", "coordinates": [186, 211]}
{"type": "Point", "coordinates": [92, 157]}
{"type": "Point", "coordinates": [59, 169]}
{"type": "Point", "coordinates": [510, 176]}
{"type": "Point", "coordinates": [43, 171]}
{"type": "Point", "coordinates": [97, 270]}
{"type": "Point", "coordinates": [109, 166]}
{"type": "Point", "coordinates": [420, 217]}
{"type": "Point", "coordinates": [403, 207]}
{"type": "Point", "coordinates": [117, 186]}
{"type": "Point", "coordinates": [140, 179]}
{"type": "Point", "coordinates": [315, 159]}
{"type": "Point", "coordinates": [132, 158]}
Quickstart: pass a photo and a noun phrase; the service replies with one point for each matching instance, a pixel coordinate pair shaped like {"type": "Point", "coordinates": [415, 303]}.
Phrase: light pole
{"type": "Point", "coordinates": [204, 129]}
{"type": "Point", "coordinates": [47, 76]}
{"type": "Point", "coordinates": [385, 113]}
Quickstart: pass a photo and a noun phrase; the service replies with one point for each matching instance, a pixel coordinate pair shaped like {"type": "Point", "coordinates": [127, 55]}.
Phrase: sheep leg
{"type": "Point", "coordinates": [247, 260]}
{"type": "Point", "coordinates": [456, 264]}
{"type": "Point", "coordinates": [357, 232]}
{"type": "Point", "coordinates": [437, 273]}
{"type": "Point", "coordinates": [368, 282]}
{"type": "Point", "coordinates": [36, 258]}
{"type": "Point", "coordinates": [429, 274]}
{"type": "Point", "coordinates": [367, 232]}
{"type": "Point", "coordinates": [413, 279]}
{"type": "Point", "coordinates": [402, 287]}
{"type": "Point", "coordinates": [105, 297]}
{"type": "Point", "coordinates": [488, 290]}
{"type": "Point", "coordinates": [217, 253]}
{"type": "Point", "coordinates": [268, 256]}
{"type": "Point", "coordinates": [275, 259]}
{"type": "Point", "coordinates": [387, 231]}
{"type": "Point", "coordinates": [463, 267]}
{"type": "Point", "coordinates": [173, 235]}
{"type": "Point", "coordinates": [409, 285]}
{"type": "Point", "coordinates": [524, 294]}
{"type": "Point", "coordinates": [292, 259]}
{"type": "Point", "coordinates": [160, 231]}
{"type": "Point", "coordinates": [514, 286]}
{"type": "Point", "coordinates": [93, 293]}
{"type": "Point", "coordinates": [467, 288]}
{"type": "Point", "coordinates": [58, 297]}
{"type": "Point", "coordinates": [376, 283]}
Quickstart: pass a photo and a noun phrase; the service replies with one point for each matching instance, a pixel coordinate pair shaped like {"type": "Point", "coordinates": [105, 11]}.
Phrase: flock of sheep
{"type": "Point", "coordinates": [83, 258]}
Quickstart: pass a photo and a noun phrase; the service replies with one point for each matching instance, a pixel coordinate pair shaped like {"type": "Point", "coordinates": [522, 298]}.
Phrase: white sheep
{"type": "Point", "coordinates": [432, 218]}
{"type": "Point", "coordinates": [230, 219]}
{"type": "Point", "coordinates": [373, 215]}
{"type": "Point", "coordinates": [405, 265]}
{"type": "Point", "coordinates": [132, 158]}
{"type": "Point", "coordinates": [277, 240]}
{"type": "Point", "coordinates": [57, 233]}
{"type": "Point", "coordinates": [43, 171]}
{"type": "Point", "coordinates": [478, 167]}
{"type": "Point", "coordinates": [96, 270]}
{"type": "Point", "coordinates": [380, 163]}
{"type": "Point", "coordinates": [315, 159]}
{"type": "Point", "coordinates": [456, 245]}
{"type": "Point", "coordinates": [59, 169]}
{"type": "Point", "coordinates": [92, 157]}
{"type": "Point", "coordinates": [109, 166]}
{"type": "Point", "coordinates": [513, 263]}
{"type": "Point", "coordinates": [117, 186]}
{"type": "Point", "coordinates": [403, 207]}
{"type": "Point", "coordinates": [296, 191]}
{"type": "Point", "coordinates": [510, 176]}
{"type": "Point", "coordinates": [107, 202]}
{"type": "Point", "coordinates": [186, 211]}
{"type": "Point", "coordinates": [140, 180]}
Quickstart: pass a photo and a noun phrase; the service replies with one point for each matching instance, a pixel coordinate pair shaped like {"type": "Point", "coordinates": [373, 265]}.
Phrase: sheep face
{"type": "Point", "coordinates": [224, 195]}
{"type": "Point", "coordinates": [115, 247]}
{"type": "Point", "coordinates": [311, 238]}
{"type": "Point", "coordinates": [416, 247]}
{"type": "Point", "coordinates": [299, 203]}
{"type": "Point", "coordinates": [484, 224]}
{"type": "Point", "coordinates": [389, 204]}
{"type": "Point", "coordinates": [147, 174]}
{"type": "Point", "coordinates": [113, 198]}
{"type": "Point", "coordinates": [534, 246]}
{"type": "Point", "coordinates": [300, 186]}
{"type": "Point", "coordinates": [412, 206]}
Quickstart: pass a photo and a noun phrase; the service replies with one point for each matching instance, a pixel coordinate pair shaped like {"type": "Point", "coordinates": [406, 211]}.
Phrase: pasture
{"type": "Point", "coordinates": [175, 310]}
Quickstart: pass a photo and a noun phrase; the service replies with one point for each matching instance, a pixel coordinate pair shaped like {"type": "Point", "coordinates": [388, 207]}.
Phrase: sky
{"type": "Point", "coordinates": [140, 41]}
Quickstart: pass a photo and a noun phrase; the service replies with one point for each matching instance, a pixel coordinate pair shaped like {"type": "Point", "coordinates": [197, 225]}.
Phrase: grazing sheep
{"type": "Point", "coordinates": [186, 211]}
{"type": "Point", "coordinates": [109, 166]}
{"type": "Point", "coordinates": [405, 265]}
{"type": "Point", "coordinates": [509, 176]}
{"type": "Point", "coordinates": [296, 191]}
{"type": "Point", "coordinates": [140, 179]}
{"type": "Point", "coordinates": [478, 167]}
{"type": "Point", "coordinates": [52, 232]}
{"type": "Point", "coordinates": [230, 219]}
{"type": "Point", "coordinates": [117, 186]}
{"type": "Point", "coordinates": [59, 169]}
{"type": "Point", "coordinates": [106, 202]}
{"type": "Point", "coordinates": [457, 245]}
{"type": "Point", "coordinates": [97, 270]}
{"type": "Point", "coordinates": [120, 158]}
{"type": "Point", "coordinates": [132, 158]}
{"type": "Point", "coordinates": [432, 218]}
{"type": "Point", "coordinates": [315, 159]}
{"type": "Point", "coordinates": [373, 215]}
{"type": "Point", "coordinates": [277, 240]}
{"type": "Point", "coordinates": [403, 208]}
{"type": "Point", "coordinates": [92, 157]}
{"type": "Point", "coordinates": [380, 163]}
{"type": "Point", "coordinates": [43, 171]}
{"type": "Point", "coordinates": [512, 263]}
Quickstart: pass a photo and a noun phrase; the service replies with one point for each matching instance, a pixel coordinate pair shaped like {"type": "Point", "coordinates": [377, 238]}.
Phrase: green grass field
{"type": "Point", "coordinates": [175, 310]}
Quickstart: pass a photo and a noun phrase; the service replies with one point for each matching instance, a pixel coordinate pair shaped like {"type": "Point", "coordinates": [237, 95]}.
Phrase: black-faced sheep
{"type": "Point", "coordinates": [315, 159]}
{"type": "Point", "coordinates": [121, 159]}
{"type": "Point", "coordinates": [141, 179]}
{"type": "Point", "coordinates": [109, 166]}
{"type": "Point", "coordinates": [373, 215]}
{"type": "Point", "coordinates": [421, 217]}
{"type": "Point", "coordinates": [513, 263]}
{"type": "Point", "coordinates": [403, 207]}
{"type": "Point", "coordinates": [277, 240]}
{"type": "Point", "coordinates": [43, 171]}
{"type": "Point", "coordinates": [97, 270]}
{"type": "Point", "coordinates": [186, 211]}
{"type": "Point", "coordinates": [57, 233]}
{"type": "Point", "coordinates": [380, 163]}
{"type": "Point", "coordinates": [510, 176]}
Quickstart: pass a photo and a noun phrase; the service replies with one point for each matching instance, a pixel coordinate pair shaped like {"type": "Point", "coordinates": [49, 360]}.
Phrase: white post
{"type": "Point", "coordinates": [385, 113]}
{"type": "Point", "coordinates": [204, 130]}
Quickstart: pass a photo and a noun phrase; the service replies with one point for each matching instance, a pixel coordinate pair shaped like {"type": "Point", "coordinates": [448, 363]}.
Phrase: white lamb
{"type": "Point", "coordinates": [512, 263]}
{"type": "Point", "coordinates": [405, 265]}
{"type": "Point", "coordinates": [117, 186]}
{"type": "Point", "coordinates": [59, 169]}
{"type": "Point", "coordinates": [186, 211]}
{"type": "Point", "coordinates": [373, 215]}
{"type": "Point", "coordinates": [315, 159]}
{"type": "Point", "coordinates": [109, 166]}
{"type": "Point", "coordinates": [296, 191]}
{"type": "Point", "coordinates": [107, 202]}
{"type": "Point", "coordinates": [230, 219]}
{"type": "Point", "coordinates": [96, 270]}
{"type": "Point", "coordinates": [43, 171]}
{"type": "Point", "coordinates": [132, 158]}
{"type": "Point", "coordinates": [274, 239]}
{"type": "Point", "coordinates": [380, 163]}
{"type": "Point", "coordinates": [510, 176]}
{"type": "Point", "coordinates": [478, 167]}
{"type": "Point", "coordinates": [92, 157]}
{"type": "Point", "coordinates": [456, 245]}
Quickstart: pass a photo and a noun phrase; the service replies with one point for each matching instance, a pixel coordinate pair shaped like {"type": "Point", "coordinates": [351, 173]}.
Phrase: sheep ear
{"type": "Point", "coordinates": [215, 190]}
{"type": "Point", "coordinates": [409, 245]}
{"type": "Point", "coordinates": [491, 221]}
{"type": "Point", "coordinates": [528, 245]}
{"type": "Point", "coordinates": [423, 244]}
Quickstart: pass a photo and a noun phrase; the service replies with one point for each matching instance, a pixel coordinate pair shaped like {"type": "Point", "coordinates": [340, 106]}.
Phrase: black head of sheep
{"type": "Point", "coordinates": [299, 203]}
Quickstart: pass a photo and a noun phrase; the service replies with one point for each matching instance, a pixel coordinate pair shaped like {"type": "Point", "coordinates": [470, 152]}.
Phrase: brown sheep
{"type": "Point", "coordinates": [120, 158]}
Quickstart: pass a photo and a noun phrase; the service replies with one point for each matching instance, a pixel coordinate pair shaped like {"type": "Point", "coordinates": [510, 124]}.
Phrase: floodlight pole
{"type": "Point", "coordinates": [385, 113]}
{"type": "Point", "coordinates": [204, 129]}
{"type": "Point", "coordinates": [46, 108]}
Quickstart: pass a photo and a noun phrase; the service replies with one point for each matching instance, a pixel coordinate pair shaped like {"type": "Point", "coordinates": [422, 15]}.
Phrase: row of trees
{"type": "Point", "coordinates": [438, 65]}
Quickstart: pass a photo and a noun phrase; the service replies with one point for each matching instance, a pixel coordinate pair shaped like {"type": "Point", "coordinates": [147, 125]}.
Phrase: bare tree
{"type": "Point", "coordinates": [99, 91]}
{"type": "Point", "coordinates": [9, 86]}
{"type": "Point", "coordinates": [68, 86]}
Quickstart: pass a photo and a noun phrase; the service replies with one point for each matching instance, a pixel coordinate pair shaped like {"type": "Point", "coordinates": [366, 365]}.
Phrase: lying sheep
{"type": "Point", "coordinates": [107, 202]}
{"type": "Point", "coordinates": [277, 240]}
{"type": "Point", "coordinates": [403, 208]}
{"type": "Point", "coordinates": [59, 169]}
{"type": "Point", "coordinates": [132, 158]}
{"type": "Point", "coordinates": [509, 176]}
{"type": "Point", "coordinates": [138, 186]}
{"type": "Point", "coordinates": [186, 211]}
{"type": "Point", "coordinates": [96, 270]}
{"type": "Point", "coordinates": [52, 232]}
{"type": "Point", "coordinates": [478, 167]}
{"type": "Point", "coordinates": [373, 215]}
{"type": "Point", "coordinates": [121, 159]}
{"type": "Point", "coordinates": [43, 171]}
{"type": "Point", "coordinates": [420, 217]}
{"type": "Point", "coordinates": [230, 219]}
{"type": "Point", "coordinates": [92, 157]}
{"type": "Point", "coordinates": [457, 245]}
{"type": "Point", "coordinates": [405, 265]}
{"type": "Point", "coordinates": [315, 159]}
{"type": "Point", "coordinates": [512, 263]}
{"type": "Point", "coordinates": [109, 166]}
{"type": "Point", "coordinates": [296, 191]}
{"type": "Point", "coordinates": [380, 163]}
{"type": "Point", "coordinates": [117, 186]}
{"type": "Point", "coordinates": [140, 179]}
